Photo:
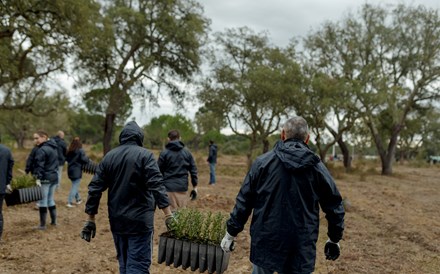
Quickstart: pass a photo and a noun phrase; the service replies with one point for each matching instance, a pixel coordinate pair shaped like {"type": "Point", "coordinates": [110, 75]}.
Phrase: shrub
{"type": "Point", "coordinates": [22, 181]}
{"type": "Point", "coordinates": [198, 226]}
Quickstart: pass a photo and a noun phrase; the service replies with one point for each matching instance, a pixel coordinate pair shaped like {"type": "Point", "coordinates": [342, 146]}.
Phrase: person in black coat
{"type": "Point", "coordinates": [30, 161]}
{"type": "Point", "coordinates": [176, 162]}
{"type": "Point", "coordinates": [135, 188]}
{"type": "Point", "coordinates": [283, 190]}
{"type": "Point", "coordinates": [212, 160]}
{"type": "Point", "coordinates": [6, 164]}
{"type": "Point", "coordinates": [76, 158]}
{"type": "Point", "coordinates": [46, 173]}
{"type": "Point", "coordinates": [62, 150]}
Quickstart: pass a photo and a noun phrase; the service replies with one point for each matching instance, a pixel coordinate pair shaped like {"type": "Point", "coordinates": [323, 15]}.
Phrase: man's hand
{"type": "Point", "coordinates": [88, 231]}
{"type": "Point", "coordinates": [169, 220]}
{"type": "Point", "coordinates": [332, 250]}
{"type": "Point", "coordinates": [227, 243]}
{"type": "Point", "coordinates": [193, 194]}
{"type": "Point", "coordinates": [8, 189]}
{"type": "Point", "coordinates": [38, 181]}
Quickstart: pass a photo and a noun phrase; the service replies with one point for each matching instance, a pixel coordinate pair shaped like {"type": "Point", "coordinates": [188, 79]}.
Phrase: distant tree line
{"type": "Point", "coordinates": [370, 79]}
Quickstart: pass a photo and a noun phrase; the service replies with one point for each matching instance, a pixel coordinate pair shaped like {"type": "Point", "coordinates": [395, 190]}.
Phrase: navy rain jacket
{"type": "Point", "coordinates": [175, 162]}
{"type": "Point", "coordinates": [30, 161]}
{"type": "Point", "coordinates": [75, 160]}
{"type": "Point", "coordinates": [284, 188]}
{"type": "Point", "coordinates": [46, 162]}
{"type": "Point", "coordinates": [6, 164]}
{"type": "Point", "coordinates": [61, 148]}
{"type": "Point", "coordinates": [134, 183]}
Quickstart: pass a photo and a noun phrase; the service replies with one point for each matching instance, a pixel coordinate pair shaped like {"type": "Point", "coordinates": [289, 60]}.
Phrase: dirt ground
{"type": "Point", "coordinates": [392, 225]}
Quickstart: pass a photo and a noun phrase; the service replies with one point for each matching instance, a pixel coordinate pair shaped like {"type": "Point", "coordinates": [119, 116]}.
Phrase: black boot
{"type": "Point", "coordinates": [43, 215]}
{"type": "Point", "coordinates": [53, 215]}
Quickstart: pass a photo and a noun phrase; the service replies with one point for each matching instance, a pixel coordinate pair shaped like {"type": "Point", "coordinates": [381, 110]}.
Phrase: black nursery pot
{"type": "Point", "coordinates": [186, 254]}
{"type": "Point", "coordinates": [178, 244]}
{"type": "Point", "coordinates": [24, 196]}
{"type": "Point", "coordinates": [162, 249]}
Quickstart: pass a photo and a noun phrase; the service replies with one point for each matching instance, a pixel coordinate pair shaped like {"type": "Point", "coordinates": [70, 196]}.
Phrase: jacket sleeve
{"type": "Point", "coordinates": [83, 157]}
{"type": "Point", "coordinates": [161, 161]}
{"type": "Point", "coordinates": [10, 166]}
{"type": "Point", "coordinates": [193, 170]}
{"type": "Point", "coordinates": [154, 181]}
{"type": "Point", "coordinates": [30, 161]}
{"type": "Point", "coordinates": [39, 163]}
{"type": "Point", "coordinates": [96, 187]}
{"type": "Point", "coordinates": [243, 206]}
{"type": "Point", "coordinates": [331, 203]}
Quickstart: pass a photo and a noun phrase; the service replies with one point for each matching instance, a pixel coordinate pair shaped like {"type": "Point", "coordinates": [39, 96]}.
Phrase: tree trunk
{"type": "Point", "coordinates": [250, 153]}
{"type": "Point", "coordinates": [345, 153]}
{"type": "Point", "coordinates": [265, 145]}
{"type": "Point", "coordinates": [108, 131]}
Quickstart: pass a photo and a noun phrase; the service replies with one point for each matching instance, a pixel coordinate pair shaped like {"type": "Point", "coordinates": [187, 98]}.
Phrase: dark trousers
{"type": "Point", "coordinates": [134, 252]}
{"type": "Point", "coordinates": [2, 196]}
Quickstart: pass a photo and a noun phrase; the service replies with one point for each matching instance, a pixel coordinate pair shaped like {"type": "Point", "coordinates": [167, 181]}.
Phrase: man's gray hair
{"type": "Point", "coordinates": [296, 128]}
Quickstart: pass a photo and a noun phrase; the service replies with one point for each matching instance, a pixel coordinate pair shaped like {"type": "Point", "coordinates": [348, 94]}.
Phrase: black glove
{"type": "Point", "coordinates": [169, 221]}
{"type": "Point", "coordinates": [193, 195]}
{"type": "Point", "coordinates": [88, 231]}
{"type": "Point", "coordinates": [331, 250]}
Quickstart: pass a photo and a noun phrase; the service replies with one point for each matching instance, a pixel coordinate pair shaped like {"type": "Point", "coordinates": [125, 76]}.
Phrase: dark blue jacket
{"type": "Point", "coordinates": [46, 162]}
{"type": "Point", "coordinates": [6, 164]}
{"type": "Point", "coordinates": [285, 188]}
{"type": "Point", "coordinates": [212, 157]}
{"type": "Point", "coordinates": [175, 162]}
{"type": "Point", "coordinates": [61, 149]}
{"type": "Point", "coordinates": [75, 160]}
{"type": "Point", "coordinates": [30, 161]}
{"type": "Point", "coordinates": [134, 183]}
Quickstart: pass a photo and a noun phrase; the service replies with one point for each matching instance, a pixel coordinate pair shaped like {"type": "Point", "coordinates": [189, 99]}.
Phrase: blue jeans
{"type": "Point", "coordinates": [212, 173]}
{"type": "Point", "coordinates": [134, 252]}
{"type": "Point", "coordinates": [74, 191]}
{"type": "Point", "coordinates": [60, 174]}
{"type": "Point", "coordinates": [48, 191]}
{"type": "Point", "coordinates": [1, 214]}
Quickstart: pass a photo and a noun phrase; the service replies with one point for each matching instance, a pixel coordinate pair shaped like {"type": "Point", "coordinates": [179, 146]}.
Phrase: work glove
{"type": "Point", "coordinates": [8, 189]}
{"type": "Point", "coordinates": [88, 231]}
{"type": "Point", "coordinates": [332, 250]}
{"type": "Point", "coordinates": [38, 181]}
{"type": "Point", "coordinates": [228, 243]}
{"type": "Point", "coordinates": [193, 194]}
{"type": "Point", "coordinates": [169, 221]}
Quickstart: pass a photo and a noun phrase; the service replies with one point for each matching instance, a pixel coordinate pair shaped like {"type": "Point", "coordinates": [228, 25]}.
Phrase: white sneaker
{"type": "Point", "coordinates": [70, 205]}
{"type": "Point", "coordinates": [79, 202]}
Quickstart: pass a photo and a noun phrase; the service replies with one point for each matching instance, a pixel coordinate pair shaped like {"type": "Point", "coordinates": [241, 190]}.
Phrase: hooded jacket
{"type": "Point", "coordinates": [6, 164]}
{"type": "Point", "coordinates": [61, 149]}
{"type": "Point", "coordinates": [134, 183]}
{"type": "Point", "coordinates": [212, 157]}
{"type": "Point", "coordinates": [75, 160]}
{"type": "Point", "coordinates": [46, 162]}
{"type": "Point", "coordinates": [30, 161]}
{"type": "Point", "coordinates": [175, 162]}
{"type": "Point", "coordinates": [285, 188]}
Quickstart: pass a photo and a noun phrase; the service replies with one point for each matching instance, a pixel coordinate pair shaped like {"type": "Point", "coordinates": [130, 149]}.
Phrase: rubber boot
{"type": "Point", "coordinates": [53, 215]}
{"type": "Point", "coordinates": [43, 215]}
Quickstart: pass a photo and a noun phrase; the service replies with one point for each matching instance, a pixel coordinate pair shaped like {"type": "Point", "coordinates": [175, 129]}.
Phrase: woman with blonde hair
{"type": "Point", "coordinates": [46, 173]}
{"type": "Point", "coordinates": [76, 158]}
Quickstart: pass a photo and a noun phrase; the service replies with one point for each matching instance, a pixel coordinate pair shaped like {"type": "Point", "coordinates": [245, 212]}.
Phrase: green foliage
{"type": "Point", "coordinates": [198, 226]}
{"type": "Point", "coordinates": [22, 181]}
{"type": "Point", "coordinates": [157, 130]}
{"type": "Point", "coordinates": [89, 127]}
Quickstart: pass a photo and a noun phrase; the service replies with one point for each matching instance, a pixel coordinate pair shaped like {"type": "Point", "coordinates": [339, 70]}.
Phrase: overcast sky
{"type": "Point", "coordinates": [282, 19]}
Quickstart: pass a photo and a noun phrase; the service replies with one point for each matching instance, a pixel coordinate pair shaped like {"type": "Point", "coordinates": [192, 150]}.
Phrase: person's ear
{"type": "Point", "coordinates": [307, 139]}
{"type": "Point", "coordinates": [283, 135]}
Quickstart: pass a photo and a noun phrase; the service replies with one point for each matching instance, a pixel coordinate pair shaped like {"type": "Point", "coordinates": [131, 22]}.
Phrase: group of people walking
{"type": "Point", "coordinates": [45, 163]}
{"type": "Point", "coordinates": [283, 190]}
